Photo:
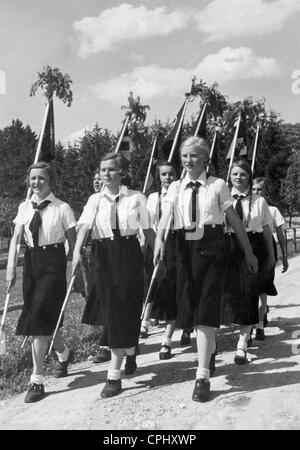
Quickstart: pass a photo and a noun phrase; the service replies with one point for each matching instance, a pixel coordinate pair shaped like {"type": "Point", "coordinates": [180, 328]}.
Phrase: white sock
{"type": "Point", "coordinates": [146, 323]}
{"type": "Point", "coordinates": [130, 351]}
{"type": "Point", "coordinates": [37, 379]}
{"type": "Point", "coordinates": [260, 325]}
{"type": "Point", "coordinates": [166, 341]}
{"type": "Point", "coordinates": [202, 373]}
{"type": "Point", "coordinates": [105, 347]}
{"type": "Point", "coordinates": [243, 342]}
{"type": "Point", "coordinates": [62, 357]}
{"type": "Point", "coordinates": [113, 374]}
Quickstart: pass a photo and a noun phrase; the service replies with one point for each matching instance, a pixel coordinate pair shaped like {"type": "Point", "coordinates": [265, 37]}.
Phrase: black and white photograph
{"type": "Point", "coordinates": [149, 218]}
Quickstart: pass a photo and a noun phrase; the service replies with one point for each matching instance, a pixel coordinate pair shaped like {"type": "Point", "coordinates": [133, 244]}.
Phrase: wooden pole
{"type": "Point", "coordinates": [233, 149]}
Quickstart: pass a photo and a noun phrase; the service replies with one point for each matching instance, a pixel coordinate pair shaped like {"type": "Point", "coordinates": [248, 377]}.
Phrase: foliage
{"type": "Point", "coordinates": [54, 82]}
{"type": "Point", "coordinates": [290, 187]}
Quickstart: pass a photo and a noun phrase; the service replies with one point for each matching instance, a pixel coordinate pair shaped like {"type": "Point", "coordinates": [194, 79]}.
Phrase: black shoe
{"type": "Point", "coordinates": [241, 360]}
{"type": "Point", "coordinates": [165, 354]}
{"type": "Point", "coordinates": [130, 365]}
{"type": "Point", "coordinates": [185, 338]}
{"type": "Point", "coordinates": [61, 369]}
{"type": "Point", "coordinates": [249, 342]}
{"type": "Point", "coordinates": [35, 393]}
{"type": "Point", "coordinates": [201, 390]}
{"type": "Point", "coordinates": [102, 356]}
{"type": "Point", "coordinates": [260, 334]}
{"type": "Point", "coordinates": [111, 388]}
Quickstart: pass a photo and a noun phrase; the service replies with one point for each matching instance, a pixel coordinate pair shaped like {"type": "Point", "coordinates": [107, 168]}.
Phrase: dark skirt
{"type": "Point", "coordinates": [267, 276]}
{"type": "Point", "coordinates": [164, 292]}
{"type": "Point", "coordinates": [44, 289]}
{"type": "Point", "coordinates": [200, 277]}
{"type": "Point", "coordinates": [117, 271]}
{"type": "Point", "coordinates": [242, 288]}
{"type": "Point", "coordinates": [92, 314]}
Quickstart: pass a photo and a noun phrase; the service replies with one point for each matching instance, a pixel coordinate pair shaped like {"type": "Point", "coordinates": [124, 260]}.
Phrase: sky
{"type": "Point", "coordinates": [152, 48]}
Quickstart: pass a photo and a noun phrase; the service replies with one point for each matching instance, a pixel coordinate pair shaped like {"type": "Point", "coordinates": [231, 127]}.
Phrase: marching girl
{"type": "Point", "coordinates": [46, 222]}
{"type": "Point", "coordinates": [242, 289]}
{"type": "Point", "coordinates": [197, 204]}
{"type": "Point", "coordinates": [118, 264]}
{"type": "Point", "coordinates": [276, 228]}
{"type": "Point", "coordinates": [92, 311]}
{"type": "Point", "coordinates": [164, 298]}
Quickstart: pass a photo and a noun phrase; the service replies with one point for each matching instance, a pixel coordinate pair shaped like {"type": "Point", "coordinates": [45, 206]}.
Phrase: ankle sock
{"type": "Point", "coordinates": [202, 373]}
{"type": "Point", "coordinates": [166, 341]}
{"type": "Point", "coordinates": [63, 357]}
{"type": "Point", "coordinates": [145, 324]}
{"type": "Point", "coordinates": [113, 374]}
{"type": "Point", "coordinates": [37, 379]}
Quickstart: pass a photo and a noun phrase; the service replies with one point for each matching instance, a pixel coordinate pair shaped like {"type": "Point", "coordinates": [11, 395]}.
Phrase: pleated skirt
{"type": "Point", "coordinates": [44, 289]}
{"type": "Point", "coordinates": [118, 283]}
{"type": "Point", "coordinates": [200, 278]}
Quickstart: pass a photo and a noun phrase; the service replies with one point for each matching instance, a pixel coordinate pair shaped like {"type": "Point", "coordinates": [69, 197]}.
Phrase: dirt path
{"type": "Point", "coordinates": [264, 394]}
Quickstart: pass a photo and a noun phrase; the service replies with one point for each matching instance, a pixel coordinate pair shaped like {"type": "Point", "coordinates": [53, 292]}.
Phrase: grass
{"type": "Point", "coordinates": [16, 365]}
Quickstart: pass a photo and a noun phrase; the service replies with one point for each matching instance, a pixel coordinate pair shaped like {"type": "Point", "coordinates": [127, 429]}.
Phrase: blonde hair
{"type": "Point", "coordinates": [119, 160]}
{"type": "Point", "coordinates": [49, 168]}
{"type": "Point", "coordinates": [199, 143]}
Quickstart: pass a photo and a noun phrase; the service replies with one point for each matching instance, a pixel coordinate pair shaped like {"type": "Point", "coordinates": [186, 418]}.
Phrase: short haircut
{"type": "Point", "coordinates": [119, 159]}
{"type": "Point", "coordinates": [200, 143]}
{"type": "Point", "coordinates": [49, 168]}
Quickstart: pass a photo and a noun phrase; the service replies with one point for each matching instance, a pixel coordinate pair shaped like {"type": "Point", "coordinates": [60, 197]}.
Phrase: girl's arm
{"type": "Point", "coordinates": [83, 230]}
{"type": "Point", "coordinates": [150, 237]}
{"type": "Point", "coordinates": [267, 235]}
{"type": "Point", "coordinates": [164, 223]}
{"type": "Point", "coordinates": [12, 254]}
{"type": "Point", "coordinates": [71, 238]}
{"type": "Point", "coordinates": [235, 223]}
{"type": "Point", "coordinates": [281, 240]}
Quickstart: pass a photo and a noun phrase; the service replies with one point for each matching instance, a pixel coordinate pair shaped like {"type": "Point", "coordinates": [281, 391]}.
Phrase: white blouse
{"type": "Point", "coordinates": [153, 207]}
{"type": "Point", "coordinates": [213, 199]}
{"type": "Point", "coordinates": [258, 216]}
{"type": "Point", "coordinates": [57, 218]}
{"type": "Point", "coordinates": [132, 213]}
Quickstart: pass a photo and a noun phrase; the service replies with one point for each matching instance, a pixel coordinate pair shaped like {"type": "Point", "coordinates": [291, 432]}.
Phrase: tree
{"type": "Point", "coordinates": [290, 187]}
{"type": "Point", "coordinates": [52, 81]}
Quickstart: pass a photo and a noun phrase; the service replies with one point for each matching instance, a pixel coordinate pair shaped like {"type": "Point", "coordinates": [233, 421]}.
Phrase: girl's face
{"type": "Point", "coordinates": [110, 173]}
{"type": "Point", "coordinates": [239, 178]}
{"type": "Point", "coordinates": [258, 189]}
{"type": "Point", "coordinates": [193, 160]}
{"type": "Point", "coordinates": [97, 182]}
{"type": "Point", "coordinates": [39, 182]}
{"type": "Point", "coordinates": [166, 175]}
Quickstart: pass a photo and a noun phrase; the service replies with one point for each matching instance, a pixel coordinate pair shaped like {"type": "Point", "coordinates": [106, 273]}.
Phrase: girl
{"type": "Point", "coordinates": [117, 265]}
{"type": "Point", "coordinates": [46, 222]}
{"type": "Point", "coordinates": [241, 289]}
{"type": "Point", "coordinates": [276, 227]}
{"type": "Point", "coordinates": [197, 204]}
{"type": "Point", "coordinates": [92, 311]}
{"type": "Point", "coordinates": [164, 298]}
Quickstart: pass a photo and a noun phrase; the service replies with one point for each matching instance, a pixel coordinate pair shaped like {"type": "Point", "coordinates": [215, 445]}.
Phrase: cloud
{"type": "Point", "coordinates": [126, 22]}
{"type": "Point", "coordinates": [237, 64]}
{"type": "Point", "coordinates": [229, 64]}
{"type": "Point", "coordinates": [74, 137]}
{"type": "Point", "coordinates": [2, 83]}
{"type": "Point", "coordinates": [234, 18]}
